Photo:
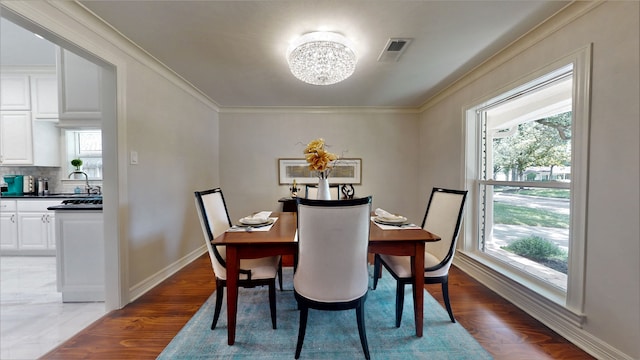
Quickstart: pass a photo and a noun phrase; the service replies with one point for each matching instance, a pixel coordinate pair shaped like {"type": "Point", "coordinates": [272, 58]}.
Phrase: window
{"type": "Point", "coordinates": [85, 145]}
{"type": "Point", "coordinates": [526, 170]}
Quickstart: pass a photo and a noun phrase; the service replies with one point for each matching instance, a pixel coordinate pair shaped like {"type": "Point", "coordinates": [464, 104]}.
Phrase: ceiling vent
{"type": "Point", "coordinates": [394, 48]}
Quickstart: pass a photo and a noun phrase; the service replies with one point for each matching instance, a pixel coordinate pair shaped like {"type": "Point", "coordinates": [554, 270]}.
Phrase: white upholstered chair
{"type": "Point", "coordinates": [443, 218]}
{"type": "Point", "coordinates": [215, 220]}
{"type": "Point", "coordinates": [332, 274]}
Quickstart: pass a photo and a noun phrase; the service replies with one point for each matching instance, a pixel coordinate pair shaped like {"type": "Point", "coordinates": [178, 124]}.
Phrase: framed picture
{"type": "Point", "coordinates": [345, 171]}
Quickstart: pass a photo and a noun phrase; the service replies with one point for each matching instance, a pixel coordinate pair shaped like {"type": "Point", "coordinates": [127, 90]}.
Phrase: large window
{"type": "Point", "coordinates": [526, 166]}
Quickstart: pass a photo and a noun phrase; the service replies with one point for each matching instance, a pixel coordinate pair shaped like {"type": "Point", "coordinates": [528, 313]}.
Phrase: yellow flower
{"type": "Point", "coordinates": [318, 158]}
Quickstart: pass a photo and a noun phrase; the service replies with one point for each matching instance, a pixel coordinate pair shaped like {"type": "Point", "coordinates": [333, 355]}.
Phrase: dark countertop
{"type": "Point", "coordinates": [50, 196]}
{"type": "Point", "coordinates": [76, 207]}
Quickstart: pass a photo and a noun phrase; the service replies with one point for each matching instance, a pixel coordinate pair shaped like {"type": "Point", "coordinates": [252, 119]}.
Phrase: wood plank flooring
{"type": "Point", "coordinates": [142, 329]}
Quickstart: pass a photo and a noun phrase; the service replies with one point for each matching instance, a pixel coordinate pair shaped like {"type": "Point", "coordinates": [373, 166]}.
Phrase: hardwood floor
{"type": "Point", "coordinates": [142, 329]}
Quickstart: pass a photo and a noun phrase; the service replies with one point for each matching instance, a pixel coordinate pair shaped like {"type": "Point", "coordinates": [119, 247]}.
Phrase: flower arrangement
{"type": "Point", "coordinates": [319, 159]}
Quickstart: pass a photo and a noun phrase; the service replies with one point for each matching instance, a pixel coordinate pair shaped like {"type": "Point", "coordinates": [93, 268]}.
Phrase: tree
{"type": "Point", "coordinates": [543, 142]}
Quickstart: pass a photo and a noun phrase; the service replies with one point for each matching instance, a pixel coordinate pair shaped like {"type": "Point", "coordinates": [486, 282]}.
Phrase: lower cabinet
{"type": "Point", "coordinates": [80, 252]}
{"type": "Point", "coordinates": [29, 229]}
{"type": "Point", "coordinates": [8, 225]}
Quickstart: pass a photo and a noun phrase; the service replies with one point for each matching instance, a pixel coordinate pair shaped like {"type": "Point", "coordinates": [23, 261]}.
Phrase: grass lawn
{"type": "Point", "coordinates": [550, 193]}
{"type": "Point", "coordinates": [520, 215]}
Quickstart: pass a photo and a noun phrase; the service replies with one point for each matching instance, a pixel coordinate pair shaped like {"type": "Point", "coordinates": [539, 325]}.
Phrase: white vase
{"type": "Point", "coordinates": [323, 189]}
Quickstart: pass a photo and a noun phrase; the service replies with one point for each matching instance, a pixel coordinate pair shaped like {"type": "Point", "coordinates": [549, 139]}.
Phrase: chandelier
{"type": "Point", "coordinates": [321, 58]}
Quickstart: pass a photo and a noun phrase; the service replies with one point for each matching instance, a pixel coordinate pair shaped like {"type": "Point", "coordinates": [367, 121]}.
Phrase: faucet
{"type": "Point", "coordinates": [86, 179]}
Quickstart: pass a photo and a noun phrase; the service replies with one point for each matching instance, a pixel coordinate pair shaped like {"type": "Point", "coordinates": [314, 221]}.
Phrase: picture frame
{"type": "Point", "coordinates": [345, 171]}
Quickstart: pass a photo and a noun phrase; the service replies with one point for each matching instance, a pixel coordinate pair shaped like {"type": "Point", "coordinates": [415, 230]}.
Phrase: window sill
{"type": "Point", "coordinates": [542, 302]}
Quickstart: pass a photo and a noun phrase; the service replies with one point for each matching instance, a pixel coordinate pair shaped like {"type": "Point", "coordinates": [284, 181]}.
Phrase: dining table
{"type": "Point", "coordinates": [281, 239]}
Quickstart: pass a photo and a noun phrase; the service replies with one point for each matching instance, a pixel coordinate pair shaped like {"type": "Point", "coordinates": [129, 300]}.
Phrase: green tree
{"type": "Point", "coordinates": [543, 142]}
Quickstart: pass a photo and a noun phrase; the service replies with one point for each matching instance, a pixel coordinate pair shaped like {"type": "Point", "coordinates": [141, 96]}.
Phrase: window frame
{"type": "Point", "coordinates": [574, 297]}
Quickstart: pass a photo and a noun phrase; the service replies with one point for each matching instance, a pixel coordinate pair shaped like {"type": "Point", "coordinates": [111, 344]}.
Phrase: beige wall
{"type": "Point", "coordinates": [253, 141]}
{"type": "Point", "coordinates": [612, 291]}
{"type": "Point", "coordinates": [182, 145]}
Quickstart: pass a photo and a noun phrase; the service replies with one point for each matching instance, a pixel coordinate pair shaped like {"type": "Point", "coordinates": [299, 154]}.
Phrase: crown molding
{"type": "Point", "coordinates": [554, 23]}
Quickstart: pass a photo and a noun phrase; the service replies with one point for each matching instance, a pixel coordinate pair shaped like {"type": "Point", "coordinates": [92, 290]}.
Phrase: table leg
{"type": "Point", "coordinates": [233, 264]}
{"type": "Point", "coordinates": [418, 287]}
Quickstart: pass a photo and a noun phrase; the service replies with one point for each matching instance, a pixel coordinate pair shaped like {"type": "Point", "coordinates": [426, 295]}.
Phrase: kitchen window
{"type": "Point", "coordinates": [85, 145]}
{"type": "Point", "coordinates": [526, 171]}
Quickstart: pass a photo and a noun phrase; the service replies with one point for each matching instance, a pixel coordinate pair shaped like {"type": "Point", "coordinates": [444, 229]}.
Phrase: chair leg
{"type": "Point", "coordinates": [219, 295]}
{"type": "Point", "coordinates": [304, 312]}
{"type": "Point", "coordinates": [445, 295]}
{"type": "Point", "coordinates": [280, 274]}
{"type": "Point", "coordinates": [377, 270]}
{"type": "Point", "coordinates": [272, 302]}
{"type": "Point", "coordinates": [361, 329]}
{"type": "Point", "coordinates": [399, 302]}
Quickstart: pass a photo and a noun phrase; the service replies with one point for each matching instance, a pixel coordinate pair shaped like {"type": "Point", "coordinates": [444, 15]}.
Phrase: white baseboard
{"type": "Point", "coordinates": [149, 283]}
{"type": "Point", "coordinates": [559, 319]}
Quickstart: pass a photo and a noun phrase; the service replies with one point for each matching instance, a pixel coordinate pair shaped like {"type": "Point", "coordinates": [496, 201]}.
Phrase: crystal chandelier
{"type": "Point", "coordinates": [321, 58]}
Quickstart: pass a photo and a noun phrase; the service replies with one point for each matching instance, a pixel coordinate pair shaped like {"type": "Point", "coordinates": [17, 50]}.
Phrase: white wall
{"type": "Point", "coordinates": [612, 291]}
{"type": "Point", "coordinates": [253, 141]}
{"type": "Point", "coordinates": [175, 132]}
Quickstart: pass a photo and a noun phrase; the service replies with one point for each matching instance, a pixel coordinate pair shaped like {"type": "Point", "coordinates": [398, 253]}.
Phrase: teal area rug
{"type": "Point", "coordinates": [330, 334]}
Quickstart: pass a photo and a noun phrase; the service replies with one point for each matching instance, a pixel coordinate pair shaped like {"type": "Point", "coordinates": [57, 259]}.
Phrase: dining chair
{"type": "Point", "coordinates": [215, 220]}
{"type": "Point", "coordinates": [311, 191]}
{"type": "Point", "coordinates": [332, 272]}
{"type": "Point", "coordinates": [443, 218]}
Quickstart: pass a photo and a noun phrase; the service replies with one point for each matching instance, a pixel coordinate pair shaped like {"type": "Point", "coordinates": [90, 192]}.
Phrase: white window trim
{"type": "Point", "coordinates": [570, 307]}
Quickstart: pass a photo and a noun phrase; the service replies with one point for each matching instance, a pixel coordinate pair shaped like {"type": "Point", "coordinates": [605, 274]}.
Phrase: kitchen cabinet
{"type": "Point", "coordinates": [28, 120]}
{"type": "Point", "coordinates": [8, 225]}
{"type": "Point", "coordinates": [36, 226]}
{"type": "Point", "coordinates": [80, 252]}
{"type": "Point", "coordinates": [15, 92]}
{"type": "Point", "coordinates": [79, 94]}
{"type": "Point", "coordinates": [30, 227]}
{"type": "Point", "coordinates": [44, 96]}
{"type": "Point", "coordinates": [16, 138]}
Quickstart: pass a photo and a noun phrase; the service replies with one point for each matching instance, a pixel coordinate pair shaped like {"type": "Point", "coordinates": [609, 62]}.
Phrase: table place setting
{"type": "Point", "coordinates": [388, 221]}
{"type": "Point", "coordinates": [259, 221]}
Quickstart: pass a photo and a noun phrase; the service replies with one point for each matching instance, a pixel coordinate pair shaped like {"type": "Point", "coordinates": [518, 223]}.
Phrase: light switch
{"type": "Point", "coordinates": [134, 158]}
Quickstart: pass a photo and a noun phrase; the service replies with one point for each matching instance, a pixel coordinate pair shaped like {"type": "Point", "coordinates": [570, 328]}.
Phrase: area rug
{"type": "Point", "coordinates": [330, 334]}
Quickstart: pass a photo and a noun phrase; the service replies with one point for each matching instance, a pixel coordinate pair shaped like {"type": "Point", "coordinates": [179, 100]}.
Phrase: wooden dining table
{"type": "Point", "coordinates": [281, 240]}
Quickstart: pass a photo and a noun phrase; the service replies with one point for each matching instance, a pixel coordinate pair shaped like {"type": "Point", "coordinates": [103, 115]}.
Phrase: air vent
{"type": "Point", "coordinates": [394, 48]}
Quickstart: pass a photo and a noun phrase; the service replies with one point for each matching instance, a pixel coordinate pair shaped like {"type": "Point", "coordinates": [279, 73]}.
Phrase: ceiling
{"type": "Point", "coordinates": [234, 51]}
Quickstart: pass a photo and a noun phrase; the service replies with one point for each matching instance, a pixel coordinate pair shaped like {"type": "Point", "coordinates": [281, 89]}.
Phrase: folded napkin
{"type": "Point", "coordinates": [257, 218]}
{"type": "Point", "coordinates": [385, 215]}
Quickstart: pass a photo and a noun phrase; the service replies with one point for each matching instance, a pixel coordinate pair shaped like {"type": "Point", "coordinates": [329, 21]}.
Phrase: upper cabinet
{"type": "Point", "coordinates": [14, 92]}
{"type": "Point", "coordinates": [28, 117]}
{"type": "Point", "coordinates": [79, 96]}
{"type": "Point", "coordinates": [44, 96]}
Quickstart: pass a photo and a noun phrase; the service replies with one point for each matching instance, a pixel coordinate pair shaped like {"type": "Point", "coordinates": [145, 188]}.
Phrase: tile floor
{"type": "Point", "coordinates": [33, 319]}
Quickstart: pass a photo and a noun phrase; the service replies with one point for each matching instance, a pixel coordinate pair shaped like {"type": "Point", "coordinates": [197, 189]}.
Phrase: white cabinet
{"type": "Point", "coordinates": [8, 225]}
{"type": "Point", "coordinates": [30, 227]}
{"type": "Point", "coordinates": [79, 91]}
{"type": "Point", "coordinates": [80, 252]}
{"type": "Point", "coordinates": [28, 120]}
{"type": "Point", "coordinates": [15, 92]}
{"type": "Point", "coordinates": [16, 138]}
{"type": "Point", "coordinates": [44, 96]}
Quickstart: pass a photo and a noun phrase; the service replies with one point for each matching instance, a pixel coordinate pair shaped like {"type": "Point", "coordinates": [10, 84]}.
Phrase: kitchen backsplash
{"type": "Point", "coordinates": [56, 185]}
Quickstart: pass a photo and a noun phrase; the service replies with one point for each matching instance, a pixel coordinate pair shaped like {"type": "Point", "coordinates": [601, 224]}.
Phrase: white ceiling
{"type": "Point", "coordinates": [234, 51]}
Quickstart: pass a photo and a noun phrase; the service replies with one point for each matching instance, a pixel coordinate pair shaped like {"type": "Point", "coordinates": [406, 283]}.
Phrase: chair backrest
{"type": "Point", "coordinates": [311, 191]}
{"type": "Point", "coordinates": [214, 219]}
{"type": "Point", "coordinates": [333, 238]}
{"type": "Point", "coordinates": [443, 218]}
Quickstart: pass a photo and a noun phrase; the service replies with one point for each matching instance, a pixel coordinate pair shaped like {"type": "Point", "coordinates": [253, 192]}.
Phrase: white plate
{"type": "Point", "coordinates": [255, 222]}
{"type": "Point", "coordinates": [398, 220]}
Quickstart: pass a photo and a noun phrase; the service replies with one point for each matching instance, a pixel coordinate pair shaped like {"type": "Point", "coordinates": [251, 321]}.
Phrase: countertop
{"type": "Point", "coordinates": [50, 196]}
